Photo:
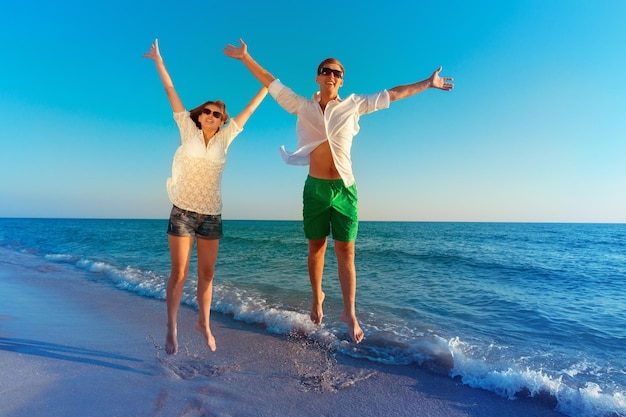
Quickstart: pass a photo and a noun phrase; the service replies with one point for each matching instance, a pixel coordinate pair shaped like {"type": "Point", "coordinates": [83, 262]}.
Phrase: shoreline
{"type": "Point", "coordinates": [70, 345]}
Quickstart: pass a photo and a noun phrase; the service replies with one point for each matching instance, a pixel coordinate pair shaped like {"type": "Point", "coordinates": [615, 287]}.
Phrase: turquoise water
{"type": "Point", "coordinates": [517, 309]}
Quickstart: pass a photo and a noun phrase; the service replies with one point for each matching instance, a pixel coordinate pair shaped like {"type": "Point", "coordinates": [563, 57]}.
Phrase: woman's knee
{"type": "Point", "coordinates": [178, 276]}
{"type": "Point", "coordinates": [206, 274]}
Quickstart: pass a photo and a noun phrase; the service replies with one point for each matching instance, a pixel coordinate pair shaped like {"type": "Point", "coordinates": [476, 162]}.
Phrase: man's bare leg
{"type": "Point", "coordinates": [317, 249]}
{"type": "Point", "coordinates": [180, 250]}
{"type": "Point", "coordinates": [207, 256]}
{"type": "Point", "coordinates": [347, 278]}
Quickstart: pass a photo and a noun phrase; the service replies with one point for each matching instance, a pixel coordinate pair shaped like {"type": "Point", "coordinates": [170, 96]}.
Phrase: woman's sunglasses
{"type": "Point", "coordinates": [215, 114]}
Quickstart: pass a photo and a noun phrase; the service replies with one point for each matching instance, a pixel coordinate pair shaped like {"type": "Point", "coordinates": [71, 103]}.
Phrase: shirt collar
{"type": "Point", "coordinates": [317, 97]}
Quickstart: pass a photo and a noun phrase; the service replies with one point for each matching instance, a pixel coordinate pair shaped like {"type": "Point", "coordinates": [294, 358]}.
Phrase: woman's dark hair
{"type": "Point", "coordinates": [195, 113]}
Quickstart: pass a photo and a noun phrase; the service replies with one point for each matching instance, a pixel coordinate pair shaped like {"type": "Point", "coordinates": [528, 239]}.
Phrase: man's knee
{"type": "Point", "coordinates": [344, 251]}
{"type": "Point", "coordinates": [317, 245]}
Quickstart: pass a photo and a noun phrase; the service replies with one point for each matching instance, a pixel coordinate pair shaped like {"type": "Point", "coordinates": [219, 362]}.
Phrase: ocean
{"type": "Point", "coordinates": [515, 308]}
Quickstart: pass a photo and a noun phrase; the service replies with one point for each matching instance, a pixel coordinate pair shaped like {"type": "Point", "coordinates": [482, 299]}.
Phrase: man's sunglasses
{"type": "Point", "coordinates": [215, 114]}
{"type": "Point", "coordinates": [328, 71]}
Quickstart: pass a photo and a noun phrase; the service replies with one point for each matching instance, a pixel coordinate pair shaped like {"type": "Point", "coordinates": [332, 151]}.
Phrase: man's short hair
{"type": "Point", "coordinates": [330, 61]}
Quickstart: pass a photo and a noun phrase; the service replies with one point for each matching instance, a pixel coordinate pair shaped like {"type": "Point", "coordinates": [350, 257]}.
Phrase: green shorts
{"type": "Point", "coordinates": [329, 203]}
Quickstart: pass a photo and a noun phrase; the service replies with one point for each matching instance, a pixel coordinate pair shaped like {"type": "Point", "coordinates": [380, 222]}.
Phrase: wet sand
{"type": "Point", "coordinates": [70, 345]}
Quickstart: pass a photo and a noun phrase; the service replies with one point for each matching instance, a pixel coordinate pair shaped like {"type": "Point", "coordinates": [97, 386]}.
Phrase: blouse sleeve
{"type": "Point", "coordinates": [186, 126]}
{"type": "Point", "coordinates": [227, 134]}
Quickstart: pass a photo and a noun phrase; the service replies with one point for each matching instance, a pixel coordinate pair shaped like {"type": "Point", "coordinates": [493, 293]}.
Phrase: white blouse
{"type": "Point", "coordinates": [195, 184]}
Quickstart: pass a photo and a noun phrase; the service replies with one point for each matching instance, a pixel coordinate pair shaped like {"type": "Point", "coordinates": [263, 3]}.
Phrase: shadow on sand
{"type": "Point", "coordinates": [69, 353]}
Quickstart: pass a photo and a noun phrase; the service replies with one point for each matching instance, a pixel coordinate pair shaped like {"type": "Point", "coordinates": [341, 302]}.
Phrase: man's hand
{"type": "Point", "coordinates": [236, 52]}
{"type": "Point", "coordinates": [441, 82]}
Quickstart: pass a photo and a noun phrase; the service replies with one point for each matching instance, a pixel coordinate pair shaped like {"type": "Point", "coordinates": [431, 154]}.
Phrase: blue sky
{"type": "Point", "coordinates": [534, 130]}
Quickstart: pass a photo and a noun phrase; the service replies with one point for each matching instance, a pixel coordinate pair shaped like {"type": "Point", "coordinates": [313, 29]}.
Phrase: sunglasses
{"type": "Point", "coordinates": [215, 114]}
{"type": "Point", "coordinates": [328, 71]}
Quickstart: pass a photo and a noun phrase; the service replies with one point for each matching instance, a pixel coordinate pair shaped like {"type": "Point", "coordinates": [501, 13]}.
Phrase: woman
{"type": "Point", "coordinates": [194, 190]}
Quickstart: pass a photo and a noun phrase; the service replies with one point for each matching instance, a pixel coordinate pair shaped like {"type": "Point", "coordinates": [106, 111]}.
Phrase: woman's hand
{"type": "Point", "coordinates": [153, 53]}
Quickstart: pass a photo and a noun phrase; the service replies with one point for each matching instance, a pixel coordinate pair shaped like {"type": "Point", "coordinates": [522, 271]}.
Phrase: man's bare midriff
{"type": "Point", "coordinates": [321, 163]}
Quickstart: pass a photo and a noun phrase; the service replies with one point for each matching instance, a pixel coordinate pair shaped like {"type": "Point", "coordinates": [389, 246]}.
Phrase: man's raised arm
{"type": "Point", "coordinates": [241, 53]}
{"type": "Point", "coordinates": [434, 81]}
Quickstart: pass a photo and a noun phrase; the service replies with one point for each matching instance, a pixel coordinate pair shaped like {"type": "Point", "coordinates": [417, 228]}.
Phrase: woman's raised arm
{"type": "Point", "coordinates": [155, 55]}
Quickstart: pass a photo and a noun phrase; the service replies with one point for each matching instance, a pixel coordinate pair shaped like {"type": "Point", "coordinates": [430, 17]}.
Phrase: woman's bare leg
{"type": "Point", "coordinates": [207, 256]}
{"type": "Point", "coordinates": [180, 251]}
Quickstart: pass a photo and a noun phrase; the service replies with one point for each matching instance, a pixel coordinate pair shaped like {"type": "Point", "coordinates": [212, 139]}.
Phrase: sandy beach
{"type": "Point", "coordinates": [74, 346]}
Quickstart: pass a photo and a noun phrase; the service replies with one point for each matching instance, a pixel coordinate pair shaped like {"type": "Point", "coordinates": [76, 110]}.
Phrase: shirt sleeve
{"type": "Point", "coordinates": [373, 102]}
{"type": "Point", "coordinates": [285, 97]}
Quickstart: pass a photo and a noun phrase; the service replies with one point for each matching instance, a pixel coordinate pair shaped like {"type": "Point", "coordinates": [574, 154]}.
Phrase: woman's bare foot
{"type": "Point", "coordinates": [355, 330]}
{"type": "Point", "coordinates": [316, 311]}
{"type": "Point", "coordinates": [210, 340]}
{"type": "Point", "coordinates": [171, 341]}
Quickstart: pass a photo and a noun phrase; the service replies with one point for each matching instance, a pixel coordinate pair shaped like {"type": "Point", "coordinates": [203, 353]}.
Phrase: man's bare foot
{"type": "Point", "coordinates": [171, 341]}
{"type": "Point", "coordinates": [355, 330]}
{"type": "Point", "coordinates": [210, 340]}
{"type": "Point", "coordinates": [316, 311]}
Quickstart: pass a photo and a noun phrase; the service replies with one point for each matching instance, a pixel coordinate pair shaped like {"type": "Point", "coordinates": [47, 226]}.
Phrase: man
{"type": "Point", "coordinates": [325, 128]}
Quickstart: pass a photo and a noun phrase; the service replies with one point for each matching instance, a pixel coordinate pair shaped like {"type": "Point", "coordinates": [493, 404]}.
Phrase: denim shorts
{"type": "Point", "coordinates": [186, 223]}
